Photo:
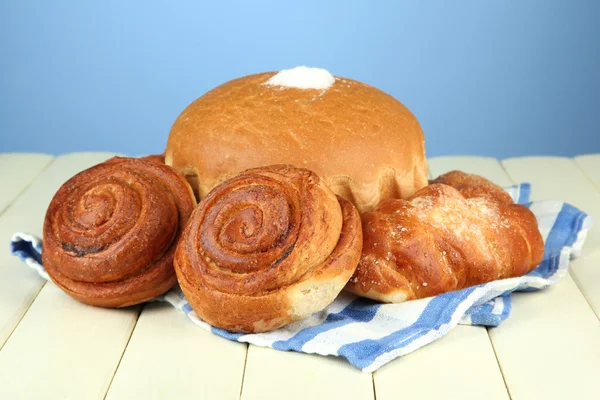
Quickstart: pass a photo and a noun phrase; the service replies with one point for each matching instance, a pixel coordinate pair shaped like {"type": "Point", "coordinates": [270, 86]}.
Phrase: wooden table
{"type": "Point", "coordinates": [53, 347]}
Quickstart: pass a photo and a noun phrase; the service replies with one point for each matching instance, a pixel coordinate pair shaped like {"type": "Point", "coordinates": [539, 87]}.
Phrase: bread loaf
{"type": "Point", "coordinates": [363, 143]}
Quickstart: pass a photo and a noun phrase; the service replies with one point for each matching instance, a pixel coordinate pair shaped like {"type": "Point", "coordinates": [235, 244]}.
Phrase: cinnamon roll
{"type": "Point", "coordinates": [270, 246]}
{"type": "Point", "coordinates": [110, 231]}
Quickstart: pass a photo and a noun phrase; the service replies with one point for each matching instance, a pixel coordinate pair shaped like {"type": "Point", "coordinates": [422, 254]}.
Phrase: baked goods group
{"type": "Point", "coordinates": [308, 185]}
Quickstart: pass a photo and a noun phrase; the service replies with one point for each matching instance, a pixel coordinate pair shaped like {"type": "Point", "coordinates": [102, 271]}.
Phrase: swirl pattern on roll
{"type": "Point", "coordinates": [267, 247]}
{"type": "Point", "coordinates": [110, 231]}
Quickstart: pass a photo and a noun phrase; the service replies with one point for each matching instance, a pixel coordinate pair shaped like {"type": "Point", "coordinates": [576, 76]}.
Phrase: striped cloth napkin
{"type": "Point", "coordinates": [369, 334]}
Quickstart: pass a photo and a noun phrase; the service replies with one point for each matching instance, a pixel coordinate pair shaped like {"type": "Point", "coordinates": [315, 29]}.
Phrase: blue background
{"type": "Point", "coordinates": [497, 78]}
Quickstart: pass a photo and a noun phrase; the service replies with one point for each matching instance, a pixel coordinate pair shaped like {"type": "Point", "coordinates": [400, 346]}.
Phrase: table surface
{"type": "Point", "coordinates": [53, 347]}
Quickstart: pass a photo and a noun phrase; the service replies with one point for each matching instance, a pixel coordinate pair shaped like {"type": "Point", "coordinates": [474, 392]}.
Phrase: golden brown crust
{"type": "Point", "coordinates": [110, 231]}
{"type": "Point", "coordinates": [363, 143]}
{"type": "Point", "coordinates": [159, 158]}
{"type": "Point", "coordinates": [267, 247]}
{"type": "Point", "coordinates": [470, 185]}
{"type": "Point", "coordinates": [438, 241]}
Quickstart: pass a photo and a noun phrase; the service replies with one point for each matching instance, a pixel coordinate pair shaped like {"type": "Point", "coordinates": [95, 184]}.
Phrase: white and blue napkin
{"type": "Point", "coordinates": [370, 334]}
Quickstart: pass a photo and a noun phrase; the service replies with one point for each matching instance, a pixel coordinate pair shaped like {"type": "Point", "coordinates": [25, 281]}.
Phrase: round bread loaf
{"type": "Point", "coordinates": [365, 144]}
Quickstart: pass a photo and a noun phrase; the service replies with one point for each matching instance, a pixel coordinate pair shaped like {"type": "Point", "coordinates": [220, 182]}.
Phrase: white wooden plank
{"type": "Point", "coordinates": [550, 345]}
{"type": "Point", "coordinates": [61, 348]}
{"type": "Point", "coordinates": [588, 277]}
{"type": "Point", "coordinates": [562, 179]}
{"type": "Point", "coordinates": [547, 330]}
{"type": "Point", "coordinates": [273, 374]}
{"type": "Point", "coordinates": [461, 363]}
{"type": "Point", "coordinates": [168, 357]}
{"type": "Point", "coordinates": [18, 284]}
{"type": "Point", "coordinates": [17, 170]}
{"type": "Point", "coordinates": [590, 163]}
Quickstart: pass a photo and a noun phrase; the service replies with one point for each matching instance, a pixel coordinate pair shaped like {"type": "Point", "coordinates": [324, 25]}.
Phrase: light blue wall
{"type": "Point", "coordinates": [498, 78]}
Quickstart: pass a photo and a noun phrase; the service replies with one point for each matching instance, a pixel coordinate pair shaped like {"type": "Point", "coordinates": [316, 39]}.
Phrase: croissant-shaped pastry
{"type": "Point", "coordinates": [439, 241]}
{"type": "Point", "coordinates": [110, 231]}
{"type": "Point", "coordinates": [267, 247]}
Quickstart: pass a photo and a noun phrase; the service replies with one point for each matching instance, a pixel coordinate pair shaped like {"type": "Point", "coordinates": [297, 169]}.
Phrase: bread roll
{"type": "Point", "coordinates": [268, 247]}
{"type": "Point", "coordinates": [362, 142]}
{"type": "Point", "coordinates": [439, 241]}
{"type": "Point", "coordinates": [110, 231]}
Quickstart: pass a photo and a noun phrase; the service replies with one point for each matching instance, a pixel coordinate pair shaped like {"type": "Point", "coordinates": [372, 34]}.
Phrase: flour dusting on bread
{"type": "Point", "coordinates": [302, 78]}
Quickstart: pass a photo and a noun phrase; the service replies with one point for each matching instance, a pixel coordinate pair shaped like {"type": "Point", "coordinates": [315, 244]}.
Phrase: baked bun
{"type": "Point", "coordinates": [438, 241]}
{"type": "Point", "coordinates": [268, 247]}
{"type": "Point", "coordinates": [110, 231]}
{"type": "Point", "coordinates": [362, 142]}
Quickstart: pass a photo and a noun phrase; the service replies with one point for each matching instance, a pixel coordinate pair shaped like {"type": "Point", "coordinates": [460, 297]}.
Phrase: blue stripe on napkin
{"type": "Point", "coordinates": [360, 310]}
